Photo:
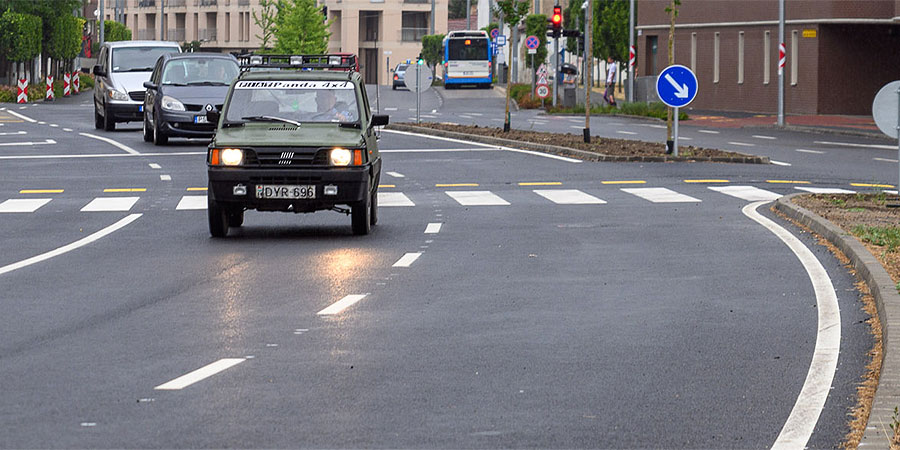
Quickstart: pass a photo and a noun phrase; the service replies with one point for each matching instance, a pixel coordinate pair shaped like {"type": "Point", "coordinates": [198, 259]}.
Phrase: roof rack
{"type": "Point", "coordinates": [303, 62]}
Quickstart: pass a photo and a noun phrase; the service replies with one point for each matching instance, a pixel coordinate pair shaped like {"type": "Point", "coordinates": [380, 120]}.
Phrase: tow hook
{"type": "Point", "coordinates": [341, 210]}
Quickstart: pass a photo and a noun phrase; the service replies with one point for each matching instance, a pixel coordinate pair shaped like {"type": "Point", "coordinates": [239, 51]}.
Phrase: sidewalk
{"type": "Point", "coordinates": [839, 124]}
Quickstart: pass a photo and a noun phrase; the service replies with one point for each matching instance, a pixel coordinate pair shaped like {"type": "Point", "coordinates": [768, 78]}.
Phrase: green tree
{"type": "Point", "coordinates": [300, 29]}
{"type": "Point", "coordinates": [115, 31]}
{"type": "Point", "coordinates": [513, 12]}
{"type": "Point", "coordinates": [433, 49]}
{"type": "Point", "coordinates": [456, 9]}
{"type": "Point", "coordinates": [573, 19]}
{"type": "Point", "coordinates": [610, 29]}
{"type": "Point", "coordinates": [65, 37]}
{"type": "Point", "coordinates": [536, 25]}
{"type": "Point", "coordinates": [20, 36]}
{"type": "Point", "coordinates": [491, 27]}
{"type": "Point", "coordinates": [266, 21]}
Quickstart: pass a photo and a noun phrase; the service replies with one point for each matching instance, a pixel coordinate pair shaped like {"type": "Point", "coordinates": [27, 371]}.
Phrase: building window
{"type": "Point", "coordinates": [740, 74]}
{"type": "Point", "coordinates": [227, 27]}
{"type": "Point", "coordinates": [716, 58]}
{"type": "Point", "coordinates": [414, 26]}
{"type": "Point", "coordinates": [767, 56]}
{"type": "Point", "coordinates": [694, 52]}
{"type": "Point", "coordinates": [795, 46]}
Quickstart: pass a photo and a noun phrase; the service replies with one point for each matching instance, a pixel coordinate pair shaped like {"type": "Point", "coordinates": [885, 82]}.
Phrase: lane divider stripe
{"type": "Point", "coordinates": [341, 305]}
{"type": "Point", "coordinates": [110, 141]}
{"type": "Point", "coordinates": [42, 191]}
{"type": "Point", "coordinates": [433, 228]}
{"type": "Point", "coordinates": [407, 260]}
{"type": "Point", "coordinates": [199, 374]}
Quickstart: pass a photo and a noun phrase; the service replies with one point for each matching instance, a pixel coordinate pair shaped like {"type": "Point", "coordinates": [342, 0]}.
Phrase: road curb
{"type": "Point", "coordinates": [878, 432]}
{"type": "Point", "coordinates": [571, 152]}
{"type": "Point", "coordinates": [828, 131]}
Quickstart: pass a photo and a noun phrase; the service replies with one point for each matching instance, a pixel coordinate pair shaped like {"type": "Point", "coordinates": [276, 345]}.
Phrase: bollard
{"type": "Point", "coordinates": [50, 95]}
{"type": "Point", "coordinates": [76, 83]}
{"type": "Point", "coordinates": [67, 84]}
{"type": "Point", "coordinates": [22, 96]}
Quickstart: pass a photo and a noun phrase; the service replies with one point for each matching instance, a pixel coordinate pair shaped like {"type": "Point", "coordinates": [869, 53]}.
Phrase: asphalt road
{"type": "Point", "coordinates": [570, 309]}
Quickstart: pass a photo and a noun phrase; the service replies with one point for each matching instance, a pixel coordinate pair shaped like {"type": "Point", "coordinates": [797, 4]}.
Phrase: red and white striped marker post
{"type": "Point", "coordinates": [76, 83]}
{"type": "Point", "coordinates": [50, 95]}
{"type": "Point", "coordinates": [67, 84]}
{"type": "Point", "coordinates": [22, 96]}
{"type": "Point", "coordinates": [781, 58]}
{"type": "Point", "coordinates": [631, 58]}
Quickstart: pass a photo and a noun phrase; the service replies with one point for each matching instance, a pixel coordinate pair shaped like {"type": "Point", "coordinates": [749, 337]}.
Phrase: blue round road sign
{"type": "Point", "coordinates": [532, 42]}
{"type": "Point", "coordinates": [676, 86]}
{"type": "Point", "coordinates": [494, 33]}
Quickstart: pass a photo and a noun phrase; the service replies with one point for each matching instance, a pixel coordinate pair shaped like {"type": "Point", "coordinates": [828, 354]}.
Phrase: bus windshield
{"type": "Point", "coordinates": [477, 50]}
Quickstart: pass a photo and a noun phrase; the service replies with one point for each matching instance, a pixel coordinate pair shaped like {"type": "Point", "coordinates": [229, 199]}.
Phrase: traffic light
{"type": "Point", "coordinates": [556, 20]}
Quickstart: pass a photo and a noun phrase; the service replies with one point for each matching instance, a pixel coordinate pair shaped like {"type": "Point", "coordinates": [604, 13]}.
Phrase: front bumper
{"type": "Point", "coordinates": [182, 124]}
{"type": "Point", "coordinates": [125, 112]}
{"type": "Point", "coordinates": [353, 185]}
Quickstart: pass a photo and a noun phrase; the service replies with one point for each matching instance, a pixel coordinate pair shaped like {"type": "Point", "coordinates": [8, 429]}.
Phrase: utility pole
{"type": "Point", "coordinates": [432, 16]}
{"type": "Point", "coordinates": [630, 97]}
{"type": "Point", "coordinates": [468, 14]}
{"type": "Point", "coordinates": [100, 18]}
{"type": "Point", "coordinates": [588, 55]}
{"type": "Point", "coordinates": [781, 55]}
{"type": "Point", "coordinates": [555, 66]}
{"type": "Point", "coordinates": [162, 20]}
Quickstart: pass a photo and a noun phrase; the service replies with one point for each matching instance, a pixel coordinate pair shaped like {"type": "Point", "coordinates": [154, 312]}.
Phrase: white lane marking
{"type": "Point", "coordinates": [439, 150]}
{"type": "Point", "coordinates": [660, 195]}
{"type": "Point", "coordinates": [394, 199]}
{"type": "Point", "coordinates": [577, 127]}
{"type": "Point", "coordinates": [19, 205]}
{"type": "Point", "coordinates": [155, 166]}
{"type": "Point", "coordinates": [475, 114]}
{"type": "Point", "coordinates": [477, 198]}
{"type": "Point", "coordinates": [708, 131]}
{"type": "Point", "coordinates": [682, 138]}
{"type": "Point", "coordinates": [390, 109]}
{"type": "Point", "coordinates": [110, 141]}
{"type": "Point", "coordinates": [434, 111]}
{"type": "Point", "coordinates": [110, 204]}
{"type": "Point", "coordinates": [102, 155]}
{"type": "Point", "coordinates": [626, 132]}
{"type": "Point", "coordinates": [407, 260]}
{"type": "Point", "coordinates": [69, 247]}
{"type": "Point", "coordinates": [651, 125]}
{"type": "Point", "coordinates": [527, 152]}
{"type": "Point", "coordinates": [342, 304]}
{"type": "Point", "coordinates": [42, 123]}
{"type": "Point", "coordinates": [433, 228]}
{"type": "Point", "coordinates": [815, 152]}
{"type": "Point", "coordinates": [749, 193]}
{"type": "Point", "coordinates": [779, 163]}
{"type": "Point", "coordinates": [569, 197]}
{"type": "Point", "coordinates": [200, 374]}
{"type": "Point", "coordinates": [848, 144]}
{"type": "Point", "coordinates": [816, 190]}
{"type": "Point", "coordinates": [165, 178]}
{"type": "Point", "coordinates": [742, 144]}
{"type": "Point", "coordinates": [763, 137]}
{"type": "Point", "coordinates": [800, 423]}
{"type": "Point", "coordinates": [396, 174]}
{"type": "Point", "coordinates": [885, 160]}
{"type": "Point", "coordinates": [53, 125]}
{"type": "Point", "coordinates": [191, 202]}
{"type": "Point", "coordinates": [27, 144]}
{"type": "Point", "coordinates": [14, 133]}
{"type": "Point", "coordinates": [21, 116]}
{"type": "Point", "coordinates": [67, 130]}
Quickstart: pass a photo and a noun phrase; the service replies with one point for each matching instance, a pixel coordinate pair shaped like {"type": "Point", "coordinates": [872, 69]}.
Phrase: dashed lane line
{"type": "Point", "coordinates": [758, 136]}
{"type": "Point", "coordinates": [849, 144]}
{"type": "Point", "coordinates": [630, 133]}
{"type": "Point", "coordinates": [14, 133]}
{"type": "Point", "coordinates": [708, 131]}
{"type": "Point", "coordinates": [407, 259]}
{"type": "Point", "coordinates": [779, 163]}
{"type": "Point", "coordinates": [27, 144]}
{"type": "Point", "coordinates": [200, 374]}
{"type": "Point", "coordinates": [872, 185]}
{"type": "Point", "coordinates": [707, 181]}
{"type": "Point", "coordinates": [624, 182]}
{"type": "Point", "coordinates": [342, 304]}
{"type": "Point", "coordinates": [396, 174]}
{"type": "Point", "coordinates": [433, 228]}
{"type": "Point", "coordinates": [742, 144]}
{"type": "Point", "coordinates": [815, 152]}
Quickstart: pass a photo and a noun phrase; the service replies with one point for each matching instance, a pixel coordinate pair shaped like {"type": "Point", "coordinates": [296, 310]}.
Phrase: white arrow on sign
{"type": "Point", "coordinates": [680, 91]}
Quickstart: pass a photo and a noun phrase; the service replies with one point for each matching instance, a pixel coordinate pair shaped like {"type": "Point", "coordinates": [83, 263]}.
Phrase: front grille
{"type": "Point", "coordinates": [194, 108]}
{"type": "Point", "coordinates": [137, 96]}
{"type": "Point", "coordinates": [285, 180]}
{"type": "Point", "coordinates": [293, 156]}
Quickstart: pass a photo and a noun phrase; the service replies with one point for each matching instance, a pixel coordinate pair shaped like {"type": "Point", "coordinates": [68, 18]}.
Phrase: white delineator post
{"type": "Point", "coordinates": [22, 96]}
{"type": "Point", "coordinates": [67, 84]}
{"type": "Point", "coordinates": [50, 95]}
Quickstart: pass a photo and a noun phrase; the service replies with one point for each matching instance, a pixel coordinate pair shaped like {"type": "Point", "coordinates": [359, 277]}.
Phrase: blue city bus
{"type": "Point", "coordinates": [467, 59]}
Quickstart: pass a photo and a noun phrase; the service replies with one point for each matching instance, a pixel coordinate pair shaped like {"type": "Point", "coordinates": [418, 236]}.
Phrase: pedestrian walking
{"type": "Point", "coordinates": [609, 94]}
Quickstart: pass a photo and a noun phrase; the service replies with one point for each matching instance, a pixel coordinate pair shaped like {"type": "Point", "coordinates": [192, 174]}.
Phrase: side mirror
{"type": "Point", "coordinates": [380, 120]}
{"type": "Point", "coordinates": [150, 85]}
{"type": "Point", "coordinates": [212, 115]}
{"type": "Point", "coordinates": [97, 70]}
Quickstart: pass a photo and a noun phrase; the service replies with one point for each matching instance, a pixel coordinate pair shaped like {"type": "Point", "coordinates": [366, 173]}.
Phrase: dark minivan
{"type": "Point", "coordinates": [180, 91]}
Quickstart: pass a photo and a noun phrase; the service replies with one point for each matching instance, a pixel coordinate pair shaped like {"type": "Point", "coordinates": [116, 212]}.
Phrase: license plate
{"type": "Point", "coordinates": [141, 108]}
{"type": "Point", "coordinates": [288, 191]}
{"type": "Point", "coordinates": [200, 119]}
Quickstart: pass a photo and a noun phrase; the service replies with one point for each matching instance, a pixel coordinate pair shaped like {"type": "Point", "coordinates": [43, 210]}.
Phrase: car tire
{"type": "Point", "coordinates": [109, 124]}
{"type": "Point", "coordinates": [218, 219]}
{"type": "Point", "coordinates": [235, 218]}
{"type": "Point", "coordinates": [98, 119]}
{"type": "Point", "coordinates": [159, 136]}
{"type": "Point", "coordinates": [148, 133]}
{"type": "Point", "coordinates": [394, 87]}
{"type": "Point", "coordinates": [361, 217]}
{"type": "Point", "coordinates": [373, 214]}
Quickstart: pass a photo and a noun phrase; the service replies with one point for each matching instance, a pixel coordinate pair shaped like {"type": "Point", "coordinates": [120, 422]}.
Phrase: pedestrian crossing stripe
{"type": "Point", "coordinates": [18, 205]}
{"type": "Point", "coordinates": [192, 202]}
{"type": "Point", "coordinates": [477, 198]}
{"type": "Point", "coordinates": [100, 204]}
{"type": "Point", "coordinates": [394, 199]}
{"type": "Point", "coordinates": [749, 193]}
{"type": "Point", "coordinates": [660, 195]}
{"type": "Point", "coordinates": [569, 197]}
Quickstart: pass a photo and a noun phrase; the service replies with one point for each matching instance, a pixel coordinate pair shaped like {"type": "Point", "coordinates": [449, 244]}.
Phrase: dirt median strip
{"type": "Point", "coordinates": [587, 155]}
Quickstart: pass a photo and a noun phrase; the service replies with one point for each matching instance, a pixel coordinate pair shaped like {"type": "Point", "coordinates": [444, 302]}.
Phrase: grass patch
{"type": "Point", "coordinates": [657, 110]}
{"type": "Point", "coordinates": [888, 237]}
{"type": "Point", "coordinates": [856, 209]}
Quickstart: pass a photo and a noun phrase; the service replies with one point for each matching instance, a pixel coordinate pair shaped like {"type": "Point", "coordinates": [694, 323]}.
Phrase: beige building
{"type": "Point", "coordinates": [379, 31]}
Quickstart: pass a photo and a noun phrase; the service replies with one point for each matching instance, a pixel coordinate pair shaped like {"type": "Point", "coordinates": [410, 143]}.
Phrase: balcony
{"type": "Point", "coordinates": [412, 34]}
{"type": "Point", "coordinates": [206, 2]}
{"type": "Point", "coordinates": [176, 3]}
{"type": "Point", "coordinates": [207, 34]}
{"type": "Point", "coordinates": [175, 34]}
{"type": "Point", "coordinates": [243, 2]}
{"type": "Point", "coordinates": [146, 34]}
{"type": "Point", "coordinates": [146, 3]}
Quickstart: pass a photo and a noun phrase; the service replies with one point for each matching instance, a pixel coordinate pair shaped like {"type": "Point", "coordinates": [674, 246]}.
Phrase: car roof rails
{"type": "Point", "coordinates": [344, 62]}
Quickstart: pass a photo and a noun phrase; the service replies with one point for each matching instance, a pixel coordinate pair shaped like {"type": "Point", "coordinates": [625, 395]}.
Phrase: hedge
{"type": "Point", "coordinates": [20, 36]}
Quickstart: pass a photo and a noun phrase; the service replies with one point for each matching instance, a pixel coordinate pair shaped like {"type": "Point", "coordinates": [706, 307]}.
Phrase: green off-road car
{"type": "Point", "coordinates": [295, 134]}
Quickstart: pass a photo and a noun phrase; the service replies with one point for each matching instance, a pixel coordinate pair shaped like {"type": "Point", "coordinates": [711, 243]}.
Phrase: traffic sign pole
{"type": "Point", "coordinates": [675, 130]}
{"type": "Point", "coordinates": [418, 93]}
{"type": "Point", "coordinates": [676, 87]}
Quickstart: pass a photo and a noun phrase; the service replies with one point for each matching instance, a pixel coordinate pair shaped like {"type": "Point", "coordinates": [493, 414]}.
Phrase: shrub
{"type": "Point", "coordinates": [7, 94]}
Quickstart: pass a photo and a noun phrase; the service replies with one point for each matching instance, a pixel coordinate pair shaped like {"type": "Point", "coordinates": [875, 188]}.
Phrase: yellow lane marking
{"type": "Point", "coordinates": [386, 186]}
{"type": "Point", "coordinates": [457, 185]}
{"type": "Point", "coordinates": [706, 181]}
{"type": "Point", "coordinates": [872, 185]}
{"type": "Point", "coordinates": [625, 182]}
{"type": "Point", "coordinates": [196, 189]}
{"type": "Point", "coordinates": [126, 190]}
{"type": "Point", "coordinates": [542, 183]}
{"type": "Point", "coordinates": [787, 182]}
{"type": "Point", "coordinates": [41, 191]}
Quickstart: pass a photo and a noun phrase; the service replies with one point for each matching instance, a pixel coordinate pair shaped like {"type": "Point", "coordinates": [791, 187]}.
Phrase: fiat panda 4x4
{"type": "Point", "coordinates": [295, 134]}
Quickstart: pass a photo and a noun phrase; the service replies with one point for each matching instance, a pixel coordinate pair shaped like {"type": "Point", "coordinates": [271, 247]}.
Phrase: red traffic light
{"type": "Point", "coordinates": [557, 17]}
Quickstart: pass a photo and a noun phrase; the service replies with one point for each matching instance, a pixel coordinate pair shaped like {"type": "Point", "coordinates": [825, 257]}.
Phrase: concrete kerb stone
{"type": "Point", "coordinates": [878, 432]}
{"type": "Point", "coordinates": [572, 152]}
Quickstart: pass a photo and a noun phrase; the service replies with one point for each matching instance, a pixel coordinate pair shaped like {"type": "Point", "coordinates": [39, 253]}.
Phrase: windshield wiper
{"type": "Point", "coordinates": [174, 84]}
{"type": "Point", "coordinates": [207, 83]}
{"type": "Point", "coordinates": [271, 119]}
{"type": "Point", "coordinates": [350, 125]}
{"type": "Point", "coordinates": [136, 69]}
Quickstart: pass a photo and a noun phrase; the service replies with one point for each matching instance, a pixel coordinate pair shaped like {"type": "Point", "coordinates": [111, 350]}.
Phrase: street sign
{"type": "Point", "coordinates": [418, 78]}
{"type": "Point", "coordinates": [532, 51]}
{"type": "Point", "coordinates": [542, 69]}
{"type": "Point", "coordinates": [388, 52]}
{"type": "Point", "coordinates": [542, 90]}
{"type": "Point", "coordinates": [494, 33]}
{"type": "Point", "coordinates": [542, 78]}
{"type": "Point", "coordinates": [676, 86]}
{"type": "Point", "coordinates": [532, 42]}
{"type": "Point", "coordinates": [500, 40]}
{"type": "Point", "coordinates": [886, 109]}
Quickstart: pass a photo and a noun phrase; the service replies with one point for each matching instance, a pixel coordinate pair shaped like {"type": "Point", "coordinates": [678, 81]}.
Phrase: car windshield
{"type": "Point", "coordinates": [300, 101]}
{"type": "Point", "coordinates": [402, 68]}
{"type": "Point", "coordinates": [200, 72]}
{"type": "Point", "coordinates": [138, 59]}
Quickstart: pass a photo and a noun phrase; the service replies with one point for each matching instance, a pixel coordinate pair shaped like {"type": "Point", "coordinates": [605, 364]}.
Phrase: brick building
{"type": "Point", "coordinates": [839, 52]}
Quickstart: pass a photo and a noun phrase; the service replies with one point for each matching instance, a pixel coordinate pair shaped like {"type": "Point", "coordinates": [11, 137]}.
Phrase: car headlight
{"type": "Point", "coordinates": [226, 156]}
{"type": "Point", "coordinates": [171, 104]}
{"type": "Point", "coordinates": [343, 157]}
{"type": "Point", "coordinates": [117, 95]}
